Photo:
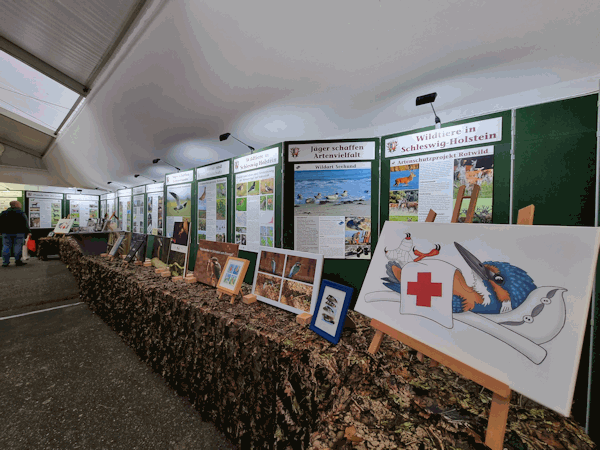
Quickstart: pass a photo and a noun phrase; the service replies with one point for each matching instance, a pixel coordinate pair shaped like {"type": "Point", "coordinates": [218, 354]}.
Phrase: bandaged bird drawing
{"type": "Point", "coordinates": [502, 300]}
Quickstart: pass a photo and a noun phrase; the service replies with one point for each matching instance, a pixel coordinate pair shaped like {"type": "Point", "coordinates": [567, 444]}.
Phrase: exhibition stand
{"type": "Point", "coordinates": [267, 382]}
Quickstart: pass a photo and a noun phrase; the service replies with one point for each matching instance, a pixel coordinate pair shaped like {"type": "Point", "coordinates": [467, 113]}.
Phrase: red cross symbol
{"type": "Point", "coordinates": [424, 289]}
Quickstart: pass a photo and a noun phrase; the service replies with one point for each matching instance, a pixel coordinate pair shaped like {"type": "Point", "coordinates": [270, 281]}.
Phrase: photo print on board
{"type": "Point", "coordinates": [286, 279]}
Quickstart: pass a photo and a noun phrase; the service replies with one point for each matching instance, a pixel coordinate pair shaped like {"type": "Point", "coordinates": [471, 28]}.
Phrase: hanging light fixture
{"type": "Point", "coordinates": [112, 182]}
{"type": "Point", "coordinates": [155, 161]}
{"type": "Point", "coordinates": [138, 175]}
{"type": "Point", "coordinates": [430, 98]}
{"type": "Point", "coordinates": [224, 137]}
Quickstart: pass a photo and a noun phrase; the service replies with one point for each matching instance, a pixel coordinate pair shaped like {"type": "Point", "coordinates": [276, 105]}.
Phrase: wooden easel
{"type": "Point", "coordinates": [494, 436]}
{"type": "Point", "coordinates": [222, 293]}
{"type": "Point", "coordinates": [460, 196]}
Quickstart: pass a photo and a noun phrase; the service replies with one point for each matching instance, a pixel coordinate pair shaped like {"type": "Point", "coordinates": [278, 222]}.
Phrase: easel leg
{"type": "Point", "coordinates": [494, 436]}
{"type": "Point", "coordinates": [376, 342]}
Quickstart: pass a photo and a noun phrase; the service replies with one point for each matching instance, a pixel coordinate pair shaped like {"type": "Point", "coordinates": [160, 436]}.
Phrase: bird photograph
{"type": "Point", "coordinates": [252, 188]}
{"type": "Point", "coordinates": [300, 268]}
{"type": "Point", "coordinates": [271, 262]}
{"type": "Point", "coordinates": [203, 196]}
{"type": "Point", "coordinates": [182, 200]}
{"type": "Point", "coordinates": [241, 189]}
{"type": "Point", "coordinates": [268, 286]}
{"type": "Point", "coordinates": [266, 186]}
{"type": "Point", "coordinates": [213, 267]}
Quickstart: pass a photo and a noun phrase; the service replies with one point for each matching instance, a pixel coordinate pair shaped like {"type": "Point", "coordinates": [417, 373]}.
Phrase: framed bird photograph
{"type": "Point", "coordinates": [232, 275]}
{"type": "Point", "coordinates": [288, 279]}
{"type": "Point", "coordinates": [331, 309]}
{"type": "Point", "coordinates": [211, 259]}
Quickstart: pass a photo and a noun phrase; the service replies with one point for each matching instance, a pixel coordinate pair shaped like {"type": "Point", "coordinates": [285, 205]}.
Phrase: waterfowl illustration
{"type": "Point", "coordinates": [333, 197]}
{"type": "Point", "coordinates": [344, 194]}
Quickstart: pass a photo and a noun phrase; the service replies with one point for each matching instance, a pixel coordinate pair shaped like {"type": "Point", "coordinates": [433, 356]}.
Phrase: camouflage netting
{"type": "Point", "coordinates": [267, 382]}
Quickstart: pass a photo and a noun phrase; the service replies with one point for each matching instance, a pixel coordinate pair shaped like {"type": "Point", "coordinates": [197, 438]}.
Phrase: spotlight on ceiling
{"type": "Point", "coordinates": [224, 137]}
{"type": "Point", "coordinates": [138, 175]}
{"type": "Point", "coordinates": [430, 98]}
{"type": "Point", "coordinates": [112, 182]}
{"type": "Point", "coordinates": [157, 160]}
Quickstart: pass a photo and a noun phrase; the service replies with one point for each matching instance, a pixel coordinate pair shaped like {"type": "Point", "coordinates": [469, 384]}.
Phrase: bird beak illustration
{"type": "Point", "coordinates": [474, 263]}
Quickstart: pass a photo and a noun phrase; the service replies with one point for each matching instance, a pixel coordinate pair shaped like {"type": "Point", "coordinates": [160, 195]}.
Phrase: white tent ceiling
{"type": "Point", "coordinates": [269, 71]}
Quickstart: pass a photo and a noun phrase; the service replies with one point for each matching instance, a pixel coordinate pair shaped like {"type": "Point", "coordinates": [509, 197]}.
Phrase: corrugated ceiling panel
{"type": "Point", "coordinates": [70, 35]}
{"type": "Point", "coordinates": [24, 136]}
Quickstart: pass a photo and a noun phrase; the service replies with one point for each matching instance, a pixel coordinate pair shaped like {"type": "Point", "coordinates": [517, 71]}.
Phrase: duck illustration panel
{"type": "Point", "coordinates": [510, 301]}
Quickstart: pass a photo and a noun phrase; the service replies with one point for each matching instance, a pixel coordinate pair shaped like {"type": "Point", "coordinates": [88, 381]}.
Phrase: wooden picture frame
{"type": "Point", "coordinates": [330, 310]}
{"type": "Point", "coordinates": [232, 275]}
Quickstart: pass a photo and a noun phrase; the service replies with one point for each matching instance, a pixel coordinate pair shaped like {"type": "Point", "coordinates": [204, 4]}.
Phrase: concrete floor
{"type": "Point", "coordinates": [68, 381]}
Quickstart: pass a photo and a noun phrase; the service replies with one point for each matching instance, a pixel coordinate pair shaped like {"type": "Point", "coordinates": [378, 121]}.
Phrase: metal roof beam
{"type": "Point", "coordinates": [41, 66]}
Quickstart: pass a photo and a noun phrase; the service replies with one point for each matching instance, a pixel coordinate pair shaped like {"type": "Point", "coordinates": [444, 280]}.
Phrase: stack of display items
{"type": "Point", "coordinates": [137, 249]}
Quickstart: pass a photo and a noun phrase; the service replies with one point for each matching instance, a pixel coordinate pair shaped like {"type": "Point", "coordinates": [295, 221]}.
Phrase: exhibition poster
{"type": "Point", "coordinates": [138, 213]}
{"type": "Point", "coordinates": [155, 200]}
{"type": "Point", "coordinates": [45, 209]}
{"type": "Point", "coordinates": [332, 209]}
{"type": "Point", "coordinates": [255, 209]}
{"type": "Point", "coordinates": [179, 206]}
{"type": "Point", "coordinates": [110, 205]}
{"type": "Point", "coordinates": [212, 210]}
{"type": "Point", "coordinates": [83, 208]}
{"type": "Point", "coordinates": [420, 183]}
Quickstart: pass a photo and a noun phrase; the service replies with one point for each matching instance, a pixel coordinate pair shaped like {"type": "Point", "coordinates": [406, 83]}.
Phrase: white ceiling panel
{"type": "Point", "coordinates": [73, 36]}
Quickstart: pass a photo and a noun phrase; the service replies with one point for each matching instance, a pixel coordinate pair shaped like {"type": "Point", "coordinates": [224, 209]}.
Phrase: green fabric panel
{"type": "Point", "coordinates": [344, 271]}
{"type": "Point", "coordinates": [501, 195]}
{"type": "Point", "coordinates": [555, 161]}
{"type": "Point", "coordinates": [555, 169]}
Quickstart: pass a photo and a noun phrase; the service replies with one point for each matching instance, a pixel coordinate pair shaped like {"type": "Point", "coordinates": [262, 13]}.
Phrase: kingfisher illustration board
{"type": "Point", "coordinates": [509, 300]}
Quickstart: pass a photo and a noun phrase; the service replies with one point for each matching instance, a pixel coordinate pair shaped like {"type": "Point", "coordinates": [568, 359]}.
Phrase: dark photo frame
{"type": "Point", "coordinates": [331, 310]}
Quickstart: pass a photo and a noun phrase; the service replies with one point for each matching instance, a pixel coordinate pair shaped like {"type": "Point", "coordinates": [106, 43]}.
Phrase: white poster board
{"type": "Point", "coordinates": [510, 301]}
{"type": "Point", "coordinates": [212, 210]}
{"type": "Point", "coordinates": [138, 213]}
{"type": "Point", "coordinates": [155, 217]}
{"type": "Point", "coordinates": [255, 209]}
{"type": "Point", "coordinates": [44, 209]}
{"type": "Point", "coordinates": [332, 209]}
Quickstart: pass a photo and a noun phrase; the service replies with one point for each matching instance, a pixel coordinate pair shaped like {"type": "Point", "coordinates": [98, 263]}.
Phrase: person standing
{"type": "Point", "coordinates": [14, 228]}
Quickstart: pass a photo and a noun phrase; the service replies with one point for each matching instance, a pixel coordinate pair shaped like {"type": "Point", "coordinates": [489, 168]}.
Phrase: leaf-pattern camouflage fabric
{"type": "Point", "coordinates": [267, 382]}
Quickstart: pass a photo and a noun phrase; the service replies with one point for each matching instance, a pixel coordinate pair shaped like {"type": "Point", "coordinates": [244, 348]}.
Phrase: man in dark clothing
{"type": "Point", "coordinates": [14, 227]}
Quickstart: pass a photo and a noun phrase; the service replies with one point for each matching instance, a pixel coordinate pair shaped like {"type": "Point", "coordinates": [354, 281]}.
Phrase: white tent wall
{"type": "Point", "coordinates": [193, 70]}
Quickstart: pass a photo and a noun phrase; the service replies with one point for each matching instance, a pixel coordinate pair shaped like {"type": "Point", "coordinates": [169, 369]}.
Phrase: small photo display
{"type": "Point", "coordinates": [331, 310]}
{"type": "Point", "coordinates": [287, 279]}
{"type": "Point", "coordinates": [233, 275]}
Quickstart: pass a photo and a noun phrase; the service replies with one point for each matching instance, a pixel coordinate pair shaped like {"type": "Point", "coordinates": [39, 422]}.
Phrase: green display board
{"type": "Point", "coordinates": [316, 170]}
{"type": "Point", "coordinates": [555, 170]}
{"type": "Point", "coordinates": [501, 163]}
{"type": "Point", "coordinates": [249, 191]}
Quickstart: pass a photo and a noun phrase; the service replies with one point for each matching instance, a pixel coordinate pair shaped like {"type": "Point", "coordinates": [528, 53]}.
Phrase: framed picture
{"type": "Point", "coordinates": [233, 275]}
{"type": "Point", "coordinates": [330, 311]}
{"type": "Point", "coordinates": [288, 279]}
{"type": "Point", "coordinates": [64, 226]}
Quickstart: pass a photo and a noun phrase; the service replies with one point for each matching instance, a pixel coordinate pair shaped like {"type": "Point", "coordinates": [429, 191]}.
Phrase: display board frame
{"type": "Point", "coordinates": [278, 215]}
{"type": "Point", "coordinates": [190, 179]}
{"type": "Point", "coordinates": [229, 176]}
{"type": "Point", "coordinates": [502, 158]}
{"type": "Point", "coordinates": [29, 195]}
{"type": "Point", "coordinates": [348, 272]}
{"type": "Point", "coordinates": [69, 198]}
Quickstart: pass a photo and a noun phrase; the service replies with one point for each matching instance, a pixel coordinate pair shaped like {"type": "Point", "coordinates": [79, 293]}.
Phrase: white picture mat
{"type": "Point", "coordinates": [64, 226]}
{"type": "Point", "coordinates": [562, 257]}
{"type": "Point", "coordinates": [340, 296]}
{"type": "Point", "coordinates": [316, 282]}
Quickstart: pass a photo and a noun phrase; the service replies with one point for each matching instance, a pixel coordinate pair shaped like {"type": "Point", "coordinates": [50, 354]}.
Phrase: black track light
{"type": "Point", "coordinates": [430, 98]}
{"type": "Point", "coordinates": [155, 161]}
{"type": "Point", "coordinates": [224, 137]}
{"type": "Point", "coordinates": [138, 175]}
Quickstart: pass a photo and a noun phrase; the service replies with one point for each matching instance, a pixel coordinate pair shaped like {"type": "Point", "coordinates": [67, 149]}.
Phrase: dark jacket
{"type": "Point", "coordinates": [14, 221]}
